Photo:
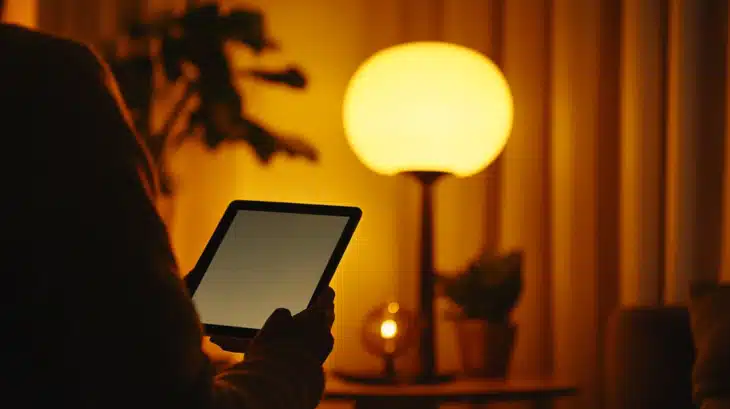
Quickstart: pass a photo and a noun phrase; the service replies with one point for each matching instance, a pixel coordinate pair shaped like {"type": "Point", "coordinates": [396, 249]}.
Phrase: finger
{"type": "Point", "coordinates": [328, 344]}
{"type": "Point", "coordinates": [319, 338]}
{"type": "Point", "coordinates": [326, 299]}
{"type": "Point", "coordinates": [314, 325]}
{"type": "Point", "coordinates": [279, 322]}
{"type": "Point", "coordinates": [315, 318]}
{"type": "Point", "coordinates": [330, 317]}
{"type": "Point", "coordinates": [280, 316]}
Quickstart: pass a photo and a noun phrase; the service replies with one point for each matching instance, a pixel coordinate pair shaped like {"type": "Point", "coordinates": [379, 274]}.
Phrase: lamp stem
{"type": "Point", "coordinates": [389, 367]}
{"type": "Point", "coordinates": [427, 344]}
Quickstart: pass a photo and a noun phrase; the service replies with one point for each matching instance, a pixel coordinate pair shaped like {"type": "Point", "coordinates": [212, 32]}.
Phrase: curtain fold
{"type": "Point", "coordinates": [638, 158]}
{"type": "Point", "coordinates": [642, 167]}
{"type": "Point", "coordinates": [695, 143]}
{"type": "Point", "coordinates": [525, 196]}
{"type": "Point", "coordinates": [725, 273]}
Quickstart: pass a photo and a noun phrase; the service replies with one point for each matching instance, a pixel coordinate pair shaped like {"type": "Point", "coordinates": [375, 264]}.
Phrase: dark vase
{"type": "Point", "coordinates": [485, 348]}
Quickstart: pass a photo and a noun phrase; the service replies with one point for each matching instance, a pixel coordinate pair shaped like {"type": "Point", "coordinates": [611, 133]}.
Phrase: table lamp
{"type": "Point", "coordinates": [427, 109]}
{"type": "Point", "coordinates": [388, 332]}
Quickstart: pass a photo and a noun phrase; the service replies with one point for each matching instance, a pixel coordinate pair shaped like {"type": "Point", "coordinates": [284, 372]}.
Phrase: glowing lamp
{"type": "Point", "coordinates": [388, 331]}
{"type": "Point", "coordinates": [427, 109]}
{"type": "Point", "coordinates": [428, 106]}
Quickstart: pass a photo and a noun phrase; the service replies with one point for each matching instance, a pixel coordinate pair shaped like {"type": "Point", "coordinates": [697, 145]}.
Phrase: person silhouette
{"type": "Point", "coordinates": [94, 312]}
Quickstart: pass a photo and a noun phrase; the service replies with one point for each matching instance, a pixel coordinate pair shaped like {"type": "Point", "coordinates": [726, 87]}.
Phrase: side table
{"type": "Point", "coordinates": [475, 391]}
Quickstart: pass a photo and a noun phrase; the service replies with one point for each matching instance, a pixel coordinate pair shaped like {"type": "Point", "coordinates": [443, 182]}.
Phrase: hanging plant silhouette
{"type": "Point", "coordinates": [192, 50]}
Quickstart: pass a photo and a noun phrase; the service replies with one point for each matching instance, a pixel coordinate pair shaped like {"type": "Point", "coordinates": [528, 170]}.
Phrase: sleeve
{"type": "Point", "coordinates": [131, 332]}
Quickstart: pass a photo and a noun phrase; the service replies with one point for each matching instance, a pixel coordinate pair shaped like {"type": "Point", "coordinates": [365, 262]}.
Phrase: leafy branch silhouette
{"type": "Point", "coordinates": [192, 51]}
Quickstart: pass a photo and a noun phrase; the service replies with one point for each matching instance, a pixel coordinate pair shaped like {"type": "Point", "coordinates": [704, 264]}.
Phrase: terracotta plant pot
{"type": "Point", "coordinates": [485, 348]}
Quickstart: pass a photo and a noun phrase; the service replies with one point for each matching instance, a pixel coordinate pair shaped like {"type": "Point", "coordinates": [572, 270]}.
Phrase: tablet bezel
{"type": "Point", "coordinates": [354, 214]}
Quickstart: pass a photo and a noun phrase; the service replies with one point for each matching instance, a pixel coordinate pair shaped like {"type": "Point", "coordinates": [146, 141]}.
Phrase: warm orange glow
{"type": "Point", "coordinates": [21, 12]}
{"type": "Point", "coordinates": [388, 329]}
{"type": "Point", "coordinates": [393, 307]}
{"type": "Point", "coordinates": [428, 106]}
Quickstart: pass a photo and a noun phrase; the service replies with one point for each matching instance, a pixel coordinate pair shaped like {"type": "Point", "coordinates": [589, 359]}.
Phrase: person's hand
{"type": "Point", "coordinates": [305, 335]}
{"type": "Point", "coordinates": [316, 321]}
{"type": "Point", "coordinates": [219, 357]}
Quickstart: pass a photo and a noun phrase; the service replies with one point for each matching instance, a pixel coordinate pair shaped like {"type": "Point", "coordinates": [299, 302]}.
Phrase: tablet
{"type": "Point", "coordinates": [267, 255]}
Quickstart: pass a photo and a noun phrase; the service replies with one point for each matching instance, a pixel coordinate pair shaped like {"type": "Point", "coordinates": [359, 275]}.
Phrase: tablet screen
{"type": "Point", "coordinates": [266, 260]}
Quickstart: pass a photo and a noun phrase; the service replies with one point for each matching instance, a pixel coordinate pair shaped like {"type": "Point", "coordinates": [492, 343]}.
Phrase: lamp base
{"type": "Point", "coordinates": [381, 379]}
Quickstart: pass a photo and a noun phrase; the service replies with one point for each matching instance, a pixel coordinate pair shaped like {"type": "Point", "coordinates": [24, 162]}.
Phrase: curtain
{"type": "Point", "coordinates": [623, 105]}
{"type": "Point", "coordinates": [615, 179]}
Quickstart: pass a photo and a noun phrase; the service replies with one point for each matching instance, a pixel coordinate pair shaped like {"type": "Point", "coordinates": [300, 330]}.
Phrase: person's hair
{"type": "Point", "coordinates": [2, 10]}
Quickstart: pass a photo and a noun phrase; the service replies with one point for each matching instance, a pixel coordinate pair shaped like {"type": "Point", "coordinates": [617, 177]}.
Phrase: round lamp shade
{"type": "Point", "coordinates": [428, 106]}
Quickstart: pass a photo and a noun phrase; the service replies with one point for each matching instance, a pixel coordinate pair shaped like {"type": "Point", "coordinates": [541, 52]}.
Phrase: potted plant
{"type": "Point", "coordinates": [484, 297]}
{"type": "Point", "coordinates": [190, 50]}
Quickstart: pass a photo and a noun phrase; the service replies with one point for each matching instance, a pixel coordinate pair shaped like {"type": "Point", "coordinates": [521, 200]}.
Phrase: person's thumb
{"type": "Point", "coordinates": [278, 323]}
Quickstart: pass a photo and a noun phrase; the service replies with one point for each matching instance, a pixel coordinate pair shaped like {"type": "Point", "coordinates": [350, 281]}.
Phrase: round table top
{"type": "Point", "coordinates": [458, 389]}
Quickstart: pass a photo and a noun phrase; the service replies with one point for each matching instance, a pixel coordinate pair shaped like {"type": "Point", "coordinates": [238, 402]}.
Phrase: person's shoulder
{"type": "Point", "coordinates": [32, 41]}
{"type": "Point", "coordinates": [27, 47]}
